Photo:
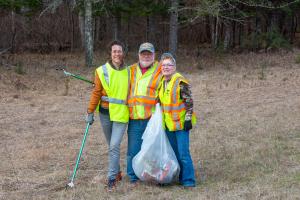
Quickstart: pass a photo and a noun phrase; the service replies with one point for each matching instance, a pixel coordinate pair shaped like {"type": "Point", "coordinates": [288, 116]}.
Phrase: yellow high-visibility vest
{"type": "Point", "coordinates": [143, 91]}
{"type": "Point", "coordinates": [172, 105]}
{"type": "Point", "coordinates": [116, 86]}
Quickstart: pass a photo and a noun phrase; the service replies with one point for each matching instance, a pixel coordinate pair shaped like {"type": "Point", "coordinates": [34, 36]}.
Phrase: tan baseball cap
{"type": "Point", "coordinates": [147, 47]}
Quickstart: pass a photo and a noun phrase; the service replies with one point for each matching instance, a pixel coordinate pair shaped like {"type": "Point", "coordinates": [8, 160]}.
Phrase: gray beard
{"type": "Point", "coordinates": [146, 64]}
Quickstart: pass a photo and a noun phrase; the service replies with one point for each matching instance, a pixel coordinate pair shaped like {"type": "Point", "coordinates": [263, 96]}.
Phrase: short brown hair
{"type": "Point", "coordinates": [115, 42]}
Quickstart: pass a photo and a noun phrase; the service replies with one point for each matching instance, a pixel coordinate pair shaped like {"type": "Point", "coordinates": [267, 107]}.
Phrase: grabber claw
{"type": "Point", "coordinates": [70, 185]}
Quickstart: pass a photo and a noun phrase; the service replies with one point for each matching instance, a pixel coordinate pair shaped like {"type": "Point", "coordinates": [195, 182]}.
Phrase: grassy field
{"type": "Point", "coordinates": [246, 144]}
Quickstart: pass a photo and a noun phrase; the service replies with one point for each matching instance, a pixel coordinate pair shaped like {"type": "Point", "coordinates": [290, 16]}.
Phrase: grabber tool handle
{"type": "Point", "coordinates": [77, 76]}
{"type": "Point", "coordinates": [79, 155]}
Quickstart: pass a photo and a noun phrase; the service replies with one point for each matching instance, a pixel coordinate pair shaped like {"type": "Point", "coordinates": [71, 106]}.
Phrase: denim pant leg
{"type": "Point", "coordinates": [118, 130]}
{"type": "Point", "coordinates": [106, 126]}
{"type": "Point", "coordinates": [135, 132]}
{"type": "Point", "coordinates": [113, 132]}
{"type": "Point", "coordinates": [173, 141]}
{"type": "Point", "coordinates": [187, 174]}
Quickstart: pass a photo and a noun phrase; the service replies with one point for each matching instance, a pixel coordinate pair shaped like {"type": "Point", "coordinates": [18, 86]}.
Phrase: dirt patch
{"type": "Point", "coordinates": [245, 146]}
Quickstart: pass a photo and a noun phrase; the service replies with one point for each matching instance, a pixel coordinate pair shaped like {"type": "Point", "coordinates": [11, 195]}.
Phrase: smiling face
{"type": "Point", "coordinates": [146, 58]}
{"type": "Point", "coordinates": [168, 67]}
{"type": "Point", "coordinates": [117, 55]}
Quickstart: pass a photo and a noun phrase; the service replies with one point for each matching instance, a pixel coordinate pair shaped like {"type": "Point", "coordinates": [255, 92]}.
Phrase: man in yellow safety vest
{"type": "Point", "coordinates": [145, 77]}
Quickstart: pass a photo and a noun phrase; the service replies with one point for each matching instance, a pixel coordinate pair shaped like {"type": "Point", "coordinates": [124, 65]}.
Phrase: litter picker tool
{"type": "Point", "coordinates": [76, 76]}
{"type": "Point", "coordinates": [71, 183]}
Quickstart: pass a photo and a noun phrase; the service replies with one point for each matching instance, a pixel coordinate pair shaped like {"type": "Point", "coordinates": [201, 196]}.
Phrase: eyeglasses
{"type": "Point", "coordinates": [168, 65]}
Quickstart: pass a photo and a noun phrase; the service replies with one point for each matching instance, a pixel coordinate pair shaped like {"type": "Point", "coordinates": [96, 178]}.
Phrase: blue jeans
{"type": "Point", "coordinates": [179, 141]}
{"type": "Point", "coordinates": [135, 132]}
{"type": "Point", "coordinates": [113, 132]}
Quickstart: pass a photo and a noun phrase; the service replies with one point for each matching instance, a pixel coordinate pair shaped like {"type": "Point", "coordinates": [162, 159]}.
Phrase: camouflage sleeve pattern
{"type": "Point", "coordinates": [186, 96]}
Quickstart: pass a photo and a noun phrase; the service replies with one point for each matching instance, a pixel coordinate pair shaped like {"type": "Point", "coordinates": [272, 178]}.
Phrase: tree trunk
{"type": "Point", "coordinates": [233, 42]}
{"type": "Point", "coordinates": [288, 27]}
{"type": "Point", "coordinates": [128, 38]}
{"type": "Point", "coordinates": [81, 27]}
{"type": "Point", "coordinates": [97, 29]}
{"type": "Point", "coordinates": [147, 28]}
{"type": "Point", "coordinates": [274, 21]}
{"type": "Point", "coordinates": [216, 34]}
{"type": "Point", "coordinates": [240, 32]}
{"type": "Point", "coordinates": [116, 27]}
{"type": "Point", "coordinates": [258, 28]}
{"type": "Point", "coordinates": [207, 30]}
{"type": "Point", "coordinates": [88, 33]}
{"type": "Point", "coordinates": [73, 32]}
{"type": "Point", "coordinates": [173, 27]}
{"type": "Point", "coordinates": [13, 31]}
{"type": "Point", "coordinates": [294, 28]}
{"type": "Point", "coordinates": [150, 37]}
{"type": "Point", "coordinates": [102, 28]}
{"type": "Point", "coordinates": [292, 36]}
{"type": "Point", "coordinates": [234, 23]}
{"type": "Point", "coordinates": [212, 31]}
{"type": "Point", "coordinates": [227, 38]}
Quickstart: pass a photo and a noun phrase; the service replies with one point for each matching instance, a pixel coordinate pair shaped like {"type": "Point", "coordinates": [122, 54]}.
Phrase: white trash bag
{"type": "Point", "coordinates": [156, 161]}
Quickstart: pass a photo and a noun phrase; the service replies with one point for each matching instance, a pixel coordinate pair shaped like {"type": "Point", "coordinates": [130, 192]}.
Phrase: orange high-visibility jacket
{"type": "Point", "coordinates": [143, 91]}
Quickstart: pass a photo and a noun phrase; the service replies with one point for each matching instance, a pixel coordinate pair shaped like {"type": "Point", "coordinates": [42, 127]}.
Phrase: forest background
{"type": "Point", "coordinates": [190, 25]}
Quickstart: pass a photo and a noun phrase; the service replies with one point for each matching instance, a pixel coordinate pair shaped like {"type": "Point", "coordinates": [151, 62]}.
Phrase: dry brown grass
{"type": "Point", "coordinates": [247, 141]}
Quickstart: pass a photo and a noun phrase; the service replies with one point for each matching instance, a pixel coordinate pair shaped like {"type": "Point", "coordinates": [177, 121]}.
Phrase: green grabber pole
{"type": "Point", "coordinates": [71, 184]}
{"type": "Point", "coordinates": [77, 76]}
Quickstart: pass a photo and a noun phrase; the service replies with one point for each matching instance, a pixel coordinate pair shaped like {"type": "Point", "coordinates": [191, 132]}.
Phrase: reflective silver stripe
{"type": "Point", "coordinates": [157, 82]}
{"type": "Point", "coordinates": [128, 86]}
{"type": "Point", "coordinates": [113, 100]}
{"type": "Point", "coordinates": [175, 117]}
{"type": "Point", "coordinates": [177, 125]}
{"type": "Point", "coordinates": [143, 97]}
{"type": "Point", "coordinates": [176, 84]}
{"type": "Point", "coordinates": [128, 74]}
{"type": "Point", "coordinates": [173, 108]}
{"type": "Point", "coordinates": [140, 104]}
{"type": "Point", "coordinates": [105, 73]}
{"type": "Point", "coordinates": [152, 77]}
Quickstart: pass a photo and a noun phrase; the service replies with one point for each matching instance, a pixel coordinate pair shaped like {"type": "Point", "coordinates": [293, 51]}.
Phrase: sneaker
{"type": "Point", "coordinates": [111, 185]}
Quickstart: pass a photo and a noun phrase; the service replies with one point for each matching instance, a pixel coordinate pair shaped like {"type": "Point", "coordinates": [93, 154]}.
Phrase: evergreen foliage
{"type": "Point", "coordinates": [21, 6]}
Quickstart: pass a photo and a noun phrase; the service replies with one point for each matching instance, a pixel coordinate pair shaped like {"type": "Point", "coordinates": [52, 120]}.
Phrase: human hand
{"type": "Point", "coordinates": [188, 125]}
{"type": "Point", "coordinates": [89, 118]}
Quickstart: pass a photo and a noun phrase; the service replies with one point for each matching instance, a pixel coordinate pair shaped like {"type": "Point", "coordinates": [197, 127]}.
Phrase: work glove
{"type": "Point", "coordinates": [188, 125]}
{"type": "Point", "coordinates": [89, 118]}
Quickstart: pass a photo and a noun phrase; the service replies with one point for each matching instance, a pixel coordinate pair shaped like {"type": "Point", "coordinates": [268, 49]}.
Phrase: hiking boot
{"type": "Point", "coordinates": [111, 185]}
{"type": "Point", "coordinates": [188, 187]}
{"type": "Point", "coordinates": [133, 184]}
{"type": "Point", "coordinates": [118, 178]}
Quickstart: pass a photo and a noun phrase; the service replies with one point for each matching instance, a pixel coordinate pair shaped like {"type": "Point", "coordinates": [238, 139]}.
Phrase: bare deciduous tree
{"type": "Point", "coordinates": [88, 30]}
{"type": "Point", "coordinates": [173, 27]}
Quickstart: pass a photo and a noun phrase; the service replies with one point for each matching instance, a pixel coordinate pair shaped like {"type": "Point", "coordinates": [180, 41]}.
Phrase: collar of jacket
{"type": "Point", "coordinates": [122, 66]}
